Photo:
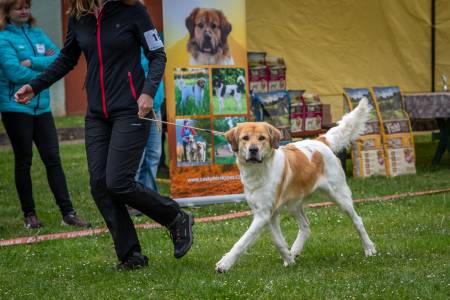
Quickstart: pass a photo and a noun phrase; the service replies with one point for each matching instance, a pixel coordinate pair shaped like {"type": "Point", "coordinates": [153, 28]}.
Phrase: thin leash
{"type": "Point", "coordinates": [214, 132]}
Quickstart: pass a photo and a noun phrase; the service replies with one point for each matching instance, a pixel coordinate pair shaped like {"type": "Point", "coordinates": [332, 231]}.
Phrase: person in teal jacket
{"type": "Point", "coordinates": [148, 166]}
{"type": "Point", "coordinates": [25, 51]}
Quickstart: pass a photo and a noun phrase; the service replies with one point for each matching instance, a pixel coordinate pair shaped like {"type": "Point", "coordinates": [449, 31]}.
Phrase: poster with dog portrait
{"type": "Point", "coordinates": [223, 153]}
{"type": "Point", "coordinates": [229, 94]}
{"type": "Point", "coordinates": [193, 144]}
{"type": "Point", "coordinates": [206, 84]}
{"type": "Point", "coordinates": [192, 92]}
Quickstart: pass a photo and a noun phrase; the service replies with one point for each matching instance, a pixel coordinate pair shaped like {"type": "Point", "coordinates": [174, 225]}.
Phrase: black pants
{"type": "Point", "coordinates": [114, 148]}
{"type": "Point", "coordinates": [444, 140]}
{"type": "Point", "coordinates": [22, 130]}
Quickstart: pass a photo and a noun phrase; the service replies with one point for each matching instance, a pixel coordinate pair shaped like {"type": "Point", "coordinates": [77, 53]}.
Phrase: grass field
{"type": "Point", "coordinates": [412, 236]}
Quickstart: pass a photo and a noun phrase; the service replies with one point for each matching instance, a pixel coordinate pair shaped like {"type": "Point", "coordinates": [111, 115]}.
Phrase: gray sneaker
{"type": "Point", "coordinates": [72, 219]}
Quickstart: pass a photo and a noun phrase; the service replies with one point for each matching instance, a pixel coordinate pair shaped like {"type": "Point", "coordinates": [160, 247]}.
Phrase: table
{"type": "Point", "coordinates": [432, 106]}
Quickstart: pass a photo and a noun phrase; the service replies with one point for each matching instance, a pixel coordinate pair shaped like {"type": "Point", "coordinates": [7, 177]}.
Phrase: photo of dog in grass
{"type": "Point", "coordinates": [223, 153]}
{"type": "Point", "coordinates": [192, 92]}
{"type": "Point", "coordinates": [193, 145]}
{"type": "Point", "coordinates": [229, 91]}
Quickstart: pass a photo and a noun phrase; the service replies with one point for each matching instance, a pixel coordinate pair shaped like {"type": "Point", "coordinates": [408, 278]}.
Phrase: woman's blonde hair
{"type": "Point", "coordinates": [80, 8]}
{"type": "Point", "coordinates": [5, 8]}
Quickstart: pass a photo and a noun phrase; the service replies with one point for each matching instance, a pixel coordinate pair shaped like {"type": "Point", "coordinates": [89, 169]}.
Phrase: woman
{"type": "Point", "coordinates": [25, 51]}
{"type": "Point", "coordinates": [110, 34]}
{"type": "Point", "coordinates": [186, 133]}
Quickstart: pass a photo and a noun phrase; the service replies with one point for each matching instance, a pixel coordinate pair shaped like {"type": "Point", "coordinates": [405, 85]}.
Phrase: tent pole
{"type": "Point", "coordinates": [433, 44]}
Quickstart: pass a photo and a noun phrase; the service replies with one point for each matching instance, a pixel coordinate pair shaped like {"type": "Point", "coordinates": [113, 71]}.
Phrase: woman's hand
{"type": "Point", "coordinates": [25, 94]}
{"type": "Point", "coordinates": [145, 103]}
{"type": "Point", "coordinates": [26, 63]}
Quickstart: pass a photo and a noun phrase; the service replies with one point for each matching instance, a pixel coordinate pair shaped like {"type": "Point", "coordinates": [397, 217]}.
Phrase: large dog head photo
{"type": "Point", "coordinates": [208, 37]}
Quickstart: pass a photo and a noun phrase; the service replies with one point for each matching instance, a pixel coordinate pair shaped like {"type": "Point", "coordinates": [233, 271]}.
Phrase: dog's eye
{"type": "Point", "coordinates": [262, 138]}
{"type": "Point", "coordinates": [200, 25]}
{"type": "Point", "coordinates": [213, 26]}
{"type": "Point", "coordinates": [245, 138]}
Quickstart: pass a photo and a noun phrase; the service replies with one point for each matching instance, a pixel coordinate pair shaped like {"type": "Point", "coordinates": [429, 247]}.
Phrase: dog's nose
{"type": "Point", "coordinates": [253, 149]}
{"type": "Point", "coordinates": [207, 36]}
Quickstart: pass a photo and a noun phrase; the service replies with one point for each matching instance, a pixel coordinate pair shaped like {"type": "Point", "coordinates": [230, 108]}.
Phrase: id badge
{"type": "Point", "coordinates": [40, 48]}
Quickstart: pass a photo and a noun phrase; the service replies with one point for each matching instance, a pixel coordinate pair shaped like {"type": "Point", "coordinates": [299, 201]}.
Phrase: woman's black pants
{"type": "Point", "coordinates": [114, 148]}
{"type": "Point", "coordinates": [24, 129]}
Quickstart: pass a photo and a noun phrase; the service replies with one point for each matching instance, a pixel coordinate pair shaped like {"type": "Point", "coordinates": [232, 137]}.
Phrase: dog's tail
{"type": "Point", "coordinates": [349, 128]}
{"type": "Point", "coordinates": [241, 79]}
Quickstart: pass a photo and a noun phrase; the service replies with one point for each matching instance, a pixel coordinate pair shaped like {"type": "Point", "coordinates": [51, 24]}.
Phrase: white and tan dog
{"type": "Point", "coordinates": [276, 177]}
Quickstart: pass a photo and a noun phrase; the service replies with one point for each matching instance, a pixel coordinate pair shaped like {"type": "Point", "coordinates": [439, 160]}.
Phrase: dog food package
{"type": "Point", "coordinates": [396, 130]}
{"type": "Point", "coordinates": [256, 58]}
{"type": "Point", "coordinates": [274, 108]}
{"type": "Point", "coordinates": [314, 112]}
{"type": "Point", "coordinates": [277, 74]}
{"type": "Point", "coordinates": [258, 72]}
{"type": "Point", "coordinates": [258, 76]}
{"type": "Point", "coordinates": [298, 111]}
{"type": "Point", "coordinates": [367, 151]}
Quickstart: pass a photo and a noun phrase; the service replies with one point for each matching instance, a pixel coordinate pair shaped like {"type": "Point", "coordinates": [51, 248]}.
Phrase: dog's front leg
{"type": "Point", "coordinates": [279, 241]}
{"type": "Point", "coordinates": [259, 221]}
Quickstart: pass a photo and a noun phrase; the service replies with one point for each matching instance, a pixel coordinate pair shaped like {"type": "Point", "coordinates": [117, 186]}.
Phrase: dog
{"type": "Point", "coordinates": [274, 177]}
{"type": "Point", "coordinates": [195, 91]}
{"type": "Point", "coordinates": [229, 90]}
{"type": "Point", "coordinates": [180, 152]}
{"type": "Point", "coordinates": [208, 37]}
{"type": "Point", "coordinates": [191, 149]}
{"type": "Point", "coordinates": [200, 154]}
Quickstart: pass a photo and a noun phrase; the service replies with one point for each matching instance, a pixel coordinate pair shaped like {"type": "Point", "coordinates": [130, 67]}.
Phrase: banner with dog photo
{"type": "Point", "coordinates": [206, 91]}
{"type": "Point", "coordinates": [367, 151]}
{"type": "Point", "coordinates": [396, 130]}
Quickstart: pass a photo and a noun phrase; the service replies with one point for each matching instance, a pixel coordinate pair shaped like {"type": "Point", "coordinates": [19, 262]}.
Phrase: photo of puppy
{"type": "Point", "coordinates": [192, 92]}
{"type": "Point", "coordinates": [208, 37]}
{"type": "Point", "coordinates": [229, 91]}
{"type": "Point", "coordinates": [277, 178]}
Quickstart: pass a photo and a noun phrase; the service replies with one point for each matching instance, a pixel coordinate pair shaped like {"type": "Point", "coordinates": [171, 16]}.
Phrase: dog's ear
{"type": "Point", "coordinates": [225, 27]}
{"type": "Point", "coordinates": [190, 21]}
{"type": "Point", "coordinates": [232, 137]}
{"type": "Point", "coordinates": [275, 136]}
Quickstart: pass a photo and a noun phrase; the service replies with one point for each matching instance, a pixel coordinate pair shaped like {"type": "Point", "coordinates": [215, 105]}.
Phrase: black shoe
{"type": "Point", "coordinates": [181, 233]}
{"type": "Point", "coordinates": [135, 261]}
{"type": "Point", "coordinates": [31, 221]}
{"type": "Point", "coordinates": [72, 219]}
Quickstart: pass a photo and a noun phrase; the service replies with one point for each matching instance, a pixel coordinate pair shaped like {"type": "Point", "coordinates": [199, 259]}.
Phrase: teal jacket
{"type": "Point", "coordinates": [159, 96]}
{"type": "Point", "coordinates": [18, 43]}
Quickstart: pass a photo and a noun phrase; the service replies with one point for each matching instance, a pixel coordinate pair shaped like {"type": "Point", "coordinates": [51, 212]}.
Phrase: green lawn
{"type": "Point", "coordinates": [412, 236]}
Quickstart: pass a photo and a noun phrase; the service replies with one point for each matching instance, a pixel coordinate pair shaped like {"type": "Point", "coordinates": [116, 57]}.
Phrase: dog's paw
{"type": "Point", "coordinates": [289, 261]}
{"type": "Point", "coordinates": [221, 269]}
{"type": "Point", "coordinates": [223, 265]}
{"type": "Point", "coordinates": [370, 250]}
